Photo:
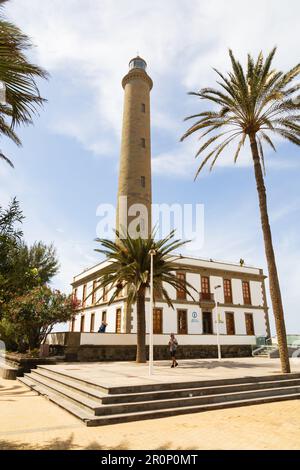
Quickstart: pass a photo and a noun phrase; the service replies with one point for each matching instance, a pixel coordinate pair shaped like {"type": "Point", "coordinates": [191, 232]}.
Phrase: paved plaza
{"type": "Point", "coordinates": [119, 374]}
{"type": "Point", "coordinates": [29, 421]}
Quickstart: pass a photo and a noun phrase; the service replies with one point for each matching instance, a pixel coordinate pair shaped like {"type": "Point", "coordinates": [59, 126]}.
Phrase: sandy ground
{"type": "Point", "coordinates": [29, 421]}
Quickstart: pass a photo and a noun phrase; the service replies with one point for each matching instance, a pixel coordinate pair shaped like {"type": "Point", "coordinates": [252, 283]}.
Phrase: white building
{"type": "Point", "coordinates": [240, 299]}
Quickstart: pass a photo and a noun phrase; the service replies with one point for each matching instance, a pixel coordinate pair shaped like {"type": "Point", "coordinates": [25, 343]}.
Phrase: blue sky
{"type": "Point", "coordinates": [68, 164]}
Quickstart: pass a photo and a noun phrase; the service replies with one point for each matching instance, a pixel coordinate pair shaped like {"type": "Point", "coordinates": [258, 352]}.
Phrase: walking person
{"type": "Point", "coordinates": [173, 344]}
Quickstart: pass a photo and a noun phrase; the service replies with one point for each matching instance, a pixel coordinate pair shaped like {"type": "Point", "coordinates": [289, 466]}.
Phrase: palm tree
{"type": "Point", "coordinates": [18, 79]}
{"type": "Point", "coordinates": [253, 104]}
{"type": "Point", "coordinates": [129, 269]}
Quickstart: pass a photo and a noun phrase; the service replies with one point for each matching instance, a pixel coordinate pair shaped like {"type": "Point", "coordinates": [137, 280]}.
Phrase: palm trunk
{"type": "Point", "coordinates": [272, 269]}
{"type": "Point", "coordinates": [141, 327]}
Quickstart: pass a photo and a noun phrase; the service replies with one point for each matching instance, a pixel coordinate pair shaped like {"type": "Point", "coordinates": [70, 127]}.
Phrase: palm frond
{"type": "Point", "coordinates": [254, 101]}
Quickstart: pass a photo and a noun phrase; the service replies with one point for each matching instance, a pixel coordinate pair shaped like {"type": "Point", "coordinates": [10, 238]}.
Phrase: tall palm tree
{"type": "Point", "coordinates": [129, 269]}
{"type": "Point", "coordinates": [18, 78]}
{"type": "Point", "coordinates": [253, 104]}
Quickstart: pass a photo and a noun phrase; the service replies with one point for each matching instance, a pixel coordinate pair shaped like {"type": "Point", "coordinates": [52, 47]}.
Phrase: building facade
{"type": "Point", "coordinates": [233, 294]}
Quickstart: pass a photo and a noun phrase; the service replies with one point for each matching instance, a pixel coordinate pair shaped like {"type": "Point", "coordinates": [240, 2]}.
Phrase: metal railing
{"type": "Point", "coordinates": [206, 296]}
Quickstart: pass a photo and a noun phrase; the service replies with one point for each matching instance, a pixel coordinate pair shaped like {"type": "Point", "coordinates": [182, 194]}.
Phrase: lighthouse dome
{"type": "Point", "coordinates": [137, 63]}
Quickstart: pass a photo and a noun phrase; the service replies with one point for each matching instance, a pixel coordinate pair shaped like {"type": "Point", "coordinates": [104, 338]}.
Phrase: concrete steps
{"type": "Point", "coordinates": [97, 405]}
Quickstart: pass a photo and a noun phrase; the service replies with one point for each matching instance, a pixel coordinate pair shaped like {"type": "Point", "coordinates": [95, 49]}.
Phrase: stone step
{"type": "Point", "coordinates": [202, 391]}
{"type": "Point", "coordinates": [95, 407]}
{"type": "Point", "coordinates": [77, 411]}
{"type": "Point", "coordinates": [167, 386]}
{"type": "Point", "coordinates": [69, 383]}
{"type": "Point", "coordinates": [91, 420]}
{"type": "Point", "coordinates": [149, 396]}
{"type": "Point", "coordinates": [88, 404]}
{"type": "Point", "coordinates": [58, 373]}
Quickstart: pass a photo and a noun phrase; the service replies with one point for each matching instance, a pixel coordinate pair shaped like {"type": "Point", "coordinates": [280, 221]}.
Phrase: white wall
{"type": "Point", "coordinates": [110, 318]}
{"type": "Point", "coordinates": [130, 339]}
{"type": "Point", "coordinates": [170, 315]}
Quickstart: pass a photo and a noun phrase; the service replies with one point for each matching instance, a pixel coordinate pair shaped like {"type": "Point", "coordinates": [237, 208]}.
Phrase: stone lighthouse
{"type": "Point", "coordinates": [134, 191]}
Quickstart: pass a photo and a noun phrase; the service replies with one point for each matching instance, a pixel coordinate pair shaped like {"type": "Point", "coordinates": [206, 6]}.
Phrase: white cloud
{"type": "Point", "coordinates": [181, 41]}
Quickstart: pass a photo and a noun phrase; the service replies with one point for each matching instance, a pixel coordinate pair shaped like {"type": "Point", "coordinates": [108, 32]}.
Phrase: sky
{"type": "Point", "coordinates": [68, 163]}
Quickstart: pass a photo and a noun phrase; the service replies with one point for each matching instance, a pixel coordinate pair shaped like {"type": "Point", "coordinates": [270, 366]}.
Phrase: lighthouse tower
{"type": "Point", "coordinates": [134, 192]}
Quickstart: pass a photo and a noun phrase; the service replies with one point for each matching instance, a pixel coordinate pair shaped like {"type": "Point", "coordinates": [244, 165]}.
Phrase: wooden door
{"type": "Point", "coordinates": [92, 325]}
{"type": "Point", "coordinates": [205, 288]}
{"type": "Point", "coordinates": [207, 323]}
{"type": "Point", "coordinates": [230, 326]}
{"type": "Point", "coordinates": [181, 293]}
{"type": "Point", "coordinates": [182, 322]}
{"type": "Point", "coordinates": [246, 292]}
{"type": "Point", "coordinates": [227, 291]}
{"type": "Point", "coordinates": [157, 321]}
{"type": "Point", "coordinates": [249, 324]}
{"type": "Point", "coordinates": [82, 324]}
{"type": "Point", "coordinates": [118, 320]}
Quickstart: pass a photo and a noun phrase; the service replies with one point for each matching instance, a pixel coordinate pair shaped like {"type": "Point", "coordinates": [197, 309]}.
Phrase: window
{"type": "Point", "coordinates": [84, 295]}
{"type": "Point", "coordinates": [249, 324]}
{"type": "Point", "coordinates": [227, 291]}
{"type": "Point", "coordinates": [118, 320]}
{"type": "Point", "coordinates": [181, 294]}
{"type": "Point", "coordinates": [157, 321]}
{"type": "Point", "coordinates": [143, 181]}
{"type": "Point", "coordinates": [82, 324]}
{"type": "Point", "coordinates": [246, 293]}
{"type": "Point", "coordinates": [104, 294]}
{"type": "Point", "coordinates": [104, 316]}
{"type": "Point", "coordinates": [94, 292]}
{"type": "Point", "coordinates": [92, 325]}
{"type": "Point", "coordinates": [230, 326]}
{"type": "Point", "coordinates": [205, 288]}
{"type": "Point", "coordinates": [143, 107]}
{"type": "Point", "coordinates": [158, 294]}
{"type": "Point", "coordinates": [75, 294]}
{"type": "Point", "coordinates": [207, 323]}
{"type": "Point", "coordinates": [143, 143]}
{"type": "Point", "coordinates": [120, 293]}
{"type": "Point", "coordinates": [182, 322]}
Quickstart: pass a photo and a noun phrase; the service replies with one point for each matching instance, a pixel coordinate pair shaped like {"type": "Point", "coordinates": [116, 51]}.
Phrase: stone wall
{"type": "Point", "coordinates": [19, 364]}
{"type": "Point", "coordinates": [128, 353]}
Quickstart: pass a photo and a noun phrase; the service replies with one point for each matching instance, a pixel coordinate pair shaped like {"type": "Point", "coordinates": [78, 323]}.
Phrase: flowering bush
{"type": "Point", "coordinates": [33, 315]}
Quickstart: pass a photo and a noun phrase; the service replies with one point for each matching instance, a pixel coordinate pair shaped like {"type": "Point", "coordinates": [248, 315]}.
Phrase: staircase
{"type": "Point", "coordinates": [96, 405]}
{"type": "Point", "coordinates": [264, 351]}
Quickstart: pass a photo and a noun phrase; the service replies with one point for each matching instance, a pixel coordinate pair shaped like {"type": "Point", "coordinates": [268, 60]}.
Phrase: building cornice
{"type": "Point", "coordinates": [228, 274]}
{"type": "Point", "coordinates": [137, 74]}
{"type": "Point", "coordinates": [177, 303]}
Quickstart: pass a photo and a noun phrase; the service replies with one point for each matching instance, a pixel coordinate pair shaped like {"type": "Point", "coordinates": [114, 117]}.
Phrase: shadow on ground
{"type": "Point", "coordinates": [68, 444]}
{"type": "Point", "coordinates": [186, 364]}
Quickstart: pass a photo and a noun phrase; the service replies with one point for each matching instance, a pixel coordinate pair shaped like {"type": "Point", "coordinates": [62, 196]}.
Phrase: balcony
{"type": "Point", "coordinates": [206, 300]}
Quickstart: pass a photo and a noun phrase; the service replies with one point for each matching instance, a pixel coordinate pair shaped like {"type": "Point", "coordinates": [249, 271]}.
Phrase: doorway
{"type": "Point", "coordinates": [230, 326]}
{"type": "Point", "coordinates": [249, 324]}
{"type": "Point", "coordinates": [157, 321]}
{"type": "Point", "coordinates": [182, 322]}
{"type": "Point", "coordinates": [118, 320]}
{"type": "Point", "coordinates": [207, 323]}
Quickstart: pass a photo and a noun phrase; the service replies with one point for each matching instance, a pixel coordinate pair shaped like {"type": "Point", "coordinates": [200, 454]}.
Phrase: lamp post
{"type": "Point", "coordinates": [152, 253]}
{"type": "Point", "coordinates": [218, 324]}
